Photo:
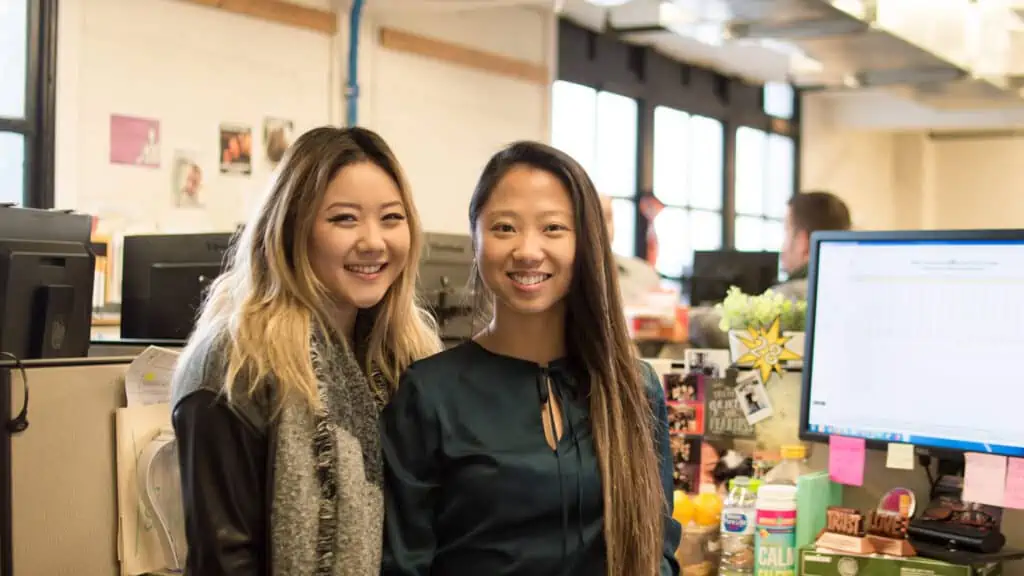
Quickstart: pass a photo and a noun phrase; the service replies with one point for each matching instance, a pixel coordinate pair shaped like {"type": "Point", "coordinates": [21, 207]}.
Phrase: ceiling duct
{"type": "Point", "coordinates": [941, 52]}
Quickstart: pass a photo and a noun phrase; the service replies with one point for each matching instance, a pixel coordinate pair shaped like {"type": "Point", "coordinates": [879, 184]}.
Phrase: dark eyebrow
{"type": "Point", "coordinates": [513, 214]}
{"type": "Point", "coordinates": [354, 206]}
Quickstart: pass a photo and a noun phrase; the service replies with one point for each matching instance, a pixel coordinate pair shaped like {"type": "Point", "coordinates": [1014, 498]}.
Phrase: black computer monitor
{"type": "Point", "coordinates": [46, 280]}
{"type": "Point", "coordinates": [911, 337]}
{"type": "Point", "coordinates": [444, 285]}
{"type": "Point", "coordinates": [164, 280]}
{"type": "Point", "coordinates": [714, 271]}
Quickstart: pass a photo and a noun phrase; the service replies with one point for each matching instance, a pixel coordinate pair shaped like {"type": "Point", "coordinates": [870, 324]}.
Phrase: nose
{"type": "Point", "coordinates": [372, 239]}
{"type": "Point", "coordinates": [530, 250]}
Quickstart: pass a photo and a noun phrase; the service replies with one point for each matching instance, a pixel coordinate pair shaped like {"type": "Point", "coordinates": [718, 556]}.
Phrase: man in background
{"type": "Point", "coordinates": [637, 278]}
{"type": "Point", "coordinates": [808, 212]}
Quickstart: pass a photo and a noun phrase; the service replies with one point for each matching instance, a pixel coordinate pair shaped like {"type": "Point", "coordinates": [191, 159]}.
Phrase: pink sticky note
{"type": "Point", "coordinates": [846, 460]}
{"type": "Point", "coordinates": [984, 478]}
{"type": "Point", "coordinates": [1014, 496]}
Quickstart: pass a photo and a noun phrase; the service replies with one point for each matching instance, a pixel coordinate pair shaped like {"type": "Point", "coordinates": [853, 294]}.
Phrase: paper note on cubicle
{"type": "Point", "coordinates": [984, 478]}
{"type": "Point", "coordinates": [148, 380]}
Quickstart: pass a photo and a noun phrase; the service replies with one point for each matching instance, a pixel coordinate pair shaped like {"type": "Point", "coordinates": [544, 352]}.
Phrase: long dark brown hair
{"type": "Point", "coordinates": [620, 412]}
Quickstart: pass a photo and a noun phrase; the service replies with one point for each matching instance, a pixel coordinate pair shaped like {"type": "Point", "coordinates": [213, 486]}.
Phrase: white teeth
{"type": "Point", "coordinates": [365, 269]}
{"type": "Point", "coordinates": [528, 279]}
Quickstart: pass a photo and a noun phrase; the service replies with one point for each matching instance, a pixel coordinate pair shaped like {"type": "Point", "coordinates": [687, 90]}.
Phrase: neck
{"type": "Point", "coordinates": [538, 338]}
{"type": "Point", "coordinates": [343, 319]}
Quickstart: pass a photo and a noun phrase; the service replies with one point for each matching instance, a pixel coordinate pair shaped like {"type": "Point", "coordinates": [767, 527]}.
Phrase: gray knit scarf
{"type": "Point", "coordinates": [327, 511]}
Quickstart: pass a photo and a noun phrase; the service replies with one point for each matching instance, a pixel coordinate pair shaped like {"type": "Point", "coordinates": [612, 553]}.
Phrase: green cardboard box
{"type": "Point", "coordinates": [814, 563]}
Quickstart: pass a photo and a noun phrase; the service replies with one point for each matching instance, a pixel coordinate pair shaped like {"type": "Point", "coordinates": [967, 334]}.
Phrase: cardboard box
{"type": "Point", "coordinates": [814, 563]}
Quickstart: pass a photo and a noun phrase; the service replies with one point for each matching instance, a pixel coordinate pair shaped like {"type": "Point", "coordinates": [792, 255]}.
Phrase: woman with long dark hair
{"type": "Point", "coordinates": [541, 446]}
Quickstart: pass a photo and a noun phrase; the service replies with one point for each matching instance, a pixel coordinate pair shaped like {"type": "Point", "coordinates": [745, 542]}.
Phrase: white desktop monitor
{"type": "Point", "coordinates": [916, 337]}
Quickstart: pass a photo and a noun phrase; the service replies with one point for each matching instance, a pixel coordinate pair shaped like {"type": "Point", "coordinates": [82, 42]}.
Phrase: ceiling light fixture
{"type": "Point", "coordinates": [607, 3]}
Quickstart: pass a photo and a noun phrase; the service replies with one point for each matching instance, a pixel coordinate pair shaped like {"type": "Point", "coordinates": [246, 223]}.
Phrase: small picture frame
{"type": "Point", "coordinates": [753, 397]}
{"type": "Point", "coordinates": [711, 363]}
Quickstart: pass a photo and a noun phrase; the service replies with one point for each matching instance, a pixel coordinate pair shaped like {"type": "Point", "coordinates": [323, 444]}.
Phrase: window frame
{"type": "Point", "coordinates": [37, 127]}
{"type": "Point", "coordinates": [764, 215]}
{"type": "Point", "coordinates": [603, 61]}
{"type": "Point", "coordinates": [634, 199]}
{"type": "Point", "coordinates": [688, 207]}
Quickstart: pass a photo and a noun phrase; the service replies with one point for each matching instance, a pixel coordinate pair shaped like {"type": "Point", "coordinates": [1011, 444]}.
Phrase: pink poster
{"type": "Point", "coordinates": [134, 141]}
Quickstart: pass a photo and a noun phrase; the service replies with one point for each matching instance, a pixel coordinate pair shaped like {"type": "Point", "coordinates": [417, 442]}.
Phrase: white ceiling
{"type": "Point", "coordinates": [900, 54]}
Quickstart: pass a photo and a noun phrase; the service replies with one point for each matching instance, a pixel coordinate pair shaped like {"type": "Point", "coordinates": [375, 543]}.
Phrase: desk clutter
{"type": "Point", "coordinates": [151, 523]}
{"type": "Point", "coordinates": [750, 502]}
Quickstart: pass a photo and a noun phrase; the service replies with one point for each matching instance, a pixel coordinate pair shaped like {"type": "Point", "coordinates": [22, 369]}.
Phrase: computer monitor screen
{"type": "Point", "coordinates": [46, 280]}
{"type": "Point", "coordinates": [911, 336]}
{"type": "Point", "coordinates": [164, 278]}
{"type": "Point", "coordinates": [715, 271]}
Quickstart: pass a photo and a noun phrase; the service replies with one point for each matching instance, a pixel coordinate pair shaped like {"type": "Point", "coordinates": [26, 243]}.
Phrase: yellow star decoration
{"type": "Point", "coordinates": [766, 350]}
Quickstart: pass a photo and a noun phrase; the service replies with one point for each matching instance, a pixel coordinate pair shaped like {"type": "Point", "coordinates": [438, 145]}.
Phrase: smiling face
{"type": "Point", "coordinates": [360, 239]}
{"type": "Point", "coordinates": [526, 242]}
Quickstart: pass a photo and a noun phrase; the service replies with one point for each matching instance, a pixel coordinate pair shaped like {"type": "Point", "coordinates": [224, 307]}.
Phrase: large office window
{"type": "Point", "coordinates": [599, 130]}
{"type": "Point", "coordinates": [14, 110]}
{"type": "Point", "coordinates": [765, 165]}
{"type": "Point", "coordinates": [688, 180]}
{"type": "Point", "coordinates": [27, 101]}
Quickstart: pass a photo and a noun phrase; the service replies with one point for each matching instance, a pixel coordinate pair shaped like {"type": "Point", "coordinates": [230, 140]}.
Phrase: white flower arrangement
{"type": "Point", "coordinates": [740, 311]}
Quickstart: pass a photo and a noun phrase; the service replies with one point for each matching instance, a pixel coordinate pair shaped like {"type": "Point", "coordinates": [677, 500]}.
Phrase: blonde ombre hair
{"type": "Point", "coordinates": [266, 304]}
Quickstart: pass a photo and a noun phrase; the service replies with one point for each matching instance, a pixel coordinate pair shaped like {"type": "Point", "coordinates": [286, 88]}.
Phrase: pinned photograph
{"type": "Point", "coordinates": [685, 418]}
{"type": "Point", "coordinates": [683, 387]}
{"type": "Point", "coordinates": [277, 137]}
{"type": "Point", "coordinates": [710, 363]}
{"type": "Point", "coordinates": [187, 180]}
{"type": "Point", "coordinates": [134, 141]}
{"type": "Point", "coordinates": [235, 149]}
{"type": "Point", "coordinates": [686, 453]}
{"type": "Point", "coordinates": [753, 398]}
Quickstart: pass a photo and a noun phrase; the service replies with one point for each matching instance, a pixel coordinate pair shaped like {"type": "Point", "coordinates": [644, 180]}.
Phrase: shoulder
{"type": "Point", "coordinates": [793, 289]}
{"type": "Point", "coordinates": [651, 381]}
{"type": "Point", "coordinates": [441, 368]}
{"type": "Point", "coordinates": [197, 387]}
{"type": "Point", "coordinates": [440, 379]}
{"type": "Point", "coordinates": [201, 366]}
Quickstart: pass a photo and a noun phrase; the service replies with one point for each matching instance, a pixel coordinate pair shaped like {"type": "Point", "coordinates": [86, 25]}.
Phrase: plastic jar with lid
{"type": "Point", "coordinates": [775, 539]}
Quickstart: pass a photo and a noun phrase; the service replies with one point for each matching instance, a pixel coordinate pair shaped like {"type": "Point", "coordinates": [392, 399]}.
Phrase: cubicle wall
{"type": "Point", "coordinates": [62, 474]}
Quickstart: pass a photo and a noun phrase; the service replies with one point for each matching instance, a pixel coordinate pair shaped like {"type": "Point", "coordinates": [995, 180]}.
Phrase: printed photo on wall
{"type": "Point", "coordinates": [134, 141]}
{"type": "Point", "coordinates": [187, 180]}
{"type": "Point", "coordinates": [686, 454]}
{"type": "Point", "coordinates": [710, 362]}
{"type": "Point", "coordinates": [235, 149]}
{"type": "Point", "coordinates": [685, 418]}
{"type": "Point", "coordinates": [277, 137]}
{"type": "Point", "coordinates": [753, 397]}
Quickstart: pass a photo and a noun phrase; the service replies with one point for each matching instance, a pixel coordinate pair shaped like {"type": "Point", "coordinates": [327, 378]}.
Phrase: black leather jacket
{"type": "Point", "coordinates": [226, 483]}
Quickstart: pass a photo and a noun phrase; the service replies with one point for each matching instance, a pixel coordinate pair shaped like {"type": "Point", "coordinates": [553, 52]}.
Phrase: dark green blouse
{"type": "Point", "coordinates": [472, 486]}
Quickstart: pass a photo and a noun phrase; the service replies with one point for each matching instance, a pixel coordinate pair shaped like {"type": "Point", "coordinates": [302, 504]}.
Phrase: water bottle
{"type": "Point", "coordinates": [739, 518]}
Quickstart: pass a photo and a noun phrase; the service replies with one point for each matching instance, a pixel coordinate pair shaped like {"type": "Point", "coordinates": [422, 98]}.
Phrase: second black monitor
{"type": "Point", "coordinates": [164, 280]}
{"type": "Point", "coordinates": [714, 271]}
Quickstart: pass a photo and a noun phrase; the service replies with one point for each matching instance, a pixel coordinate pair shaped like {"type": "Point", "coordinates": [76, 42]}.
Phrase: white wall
{"type": "Point", "coordinates": [194, 67]}
{"type": "Point", "coordinates": [444, 121]}
{"type": "Point", "coordinates": [913, 179]}
{"type": "Point", "coordinates": [978, 182]}
{"type": "Point", "coordinates": [857, 166]}
{"type": "Point", "coordinates": [191, 68]}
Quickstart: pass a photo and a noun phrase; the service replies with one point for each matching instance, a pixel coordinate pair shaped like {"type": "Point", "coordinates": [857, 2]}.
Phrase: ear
{"type": "Point", "coordinates": [803, 242]}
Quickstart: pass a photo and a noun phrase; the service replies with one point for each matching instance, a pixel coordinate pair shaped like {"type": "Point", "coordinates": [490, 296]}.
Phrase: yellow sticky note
{"type": "Point", "coordinates": [148, 376]}
{"type": "Point", "coordinates": [900, 456]}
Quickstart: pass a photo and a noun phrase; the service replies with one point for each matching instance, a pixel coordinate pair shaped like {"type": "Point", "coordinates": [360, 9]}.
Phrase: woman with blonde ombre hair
{"type": "Point", "coordinates": [277, 396]}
